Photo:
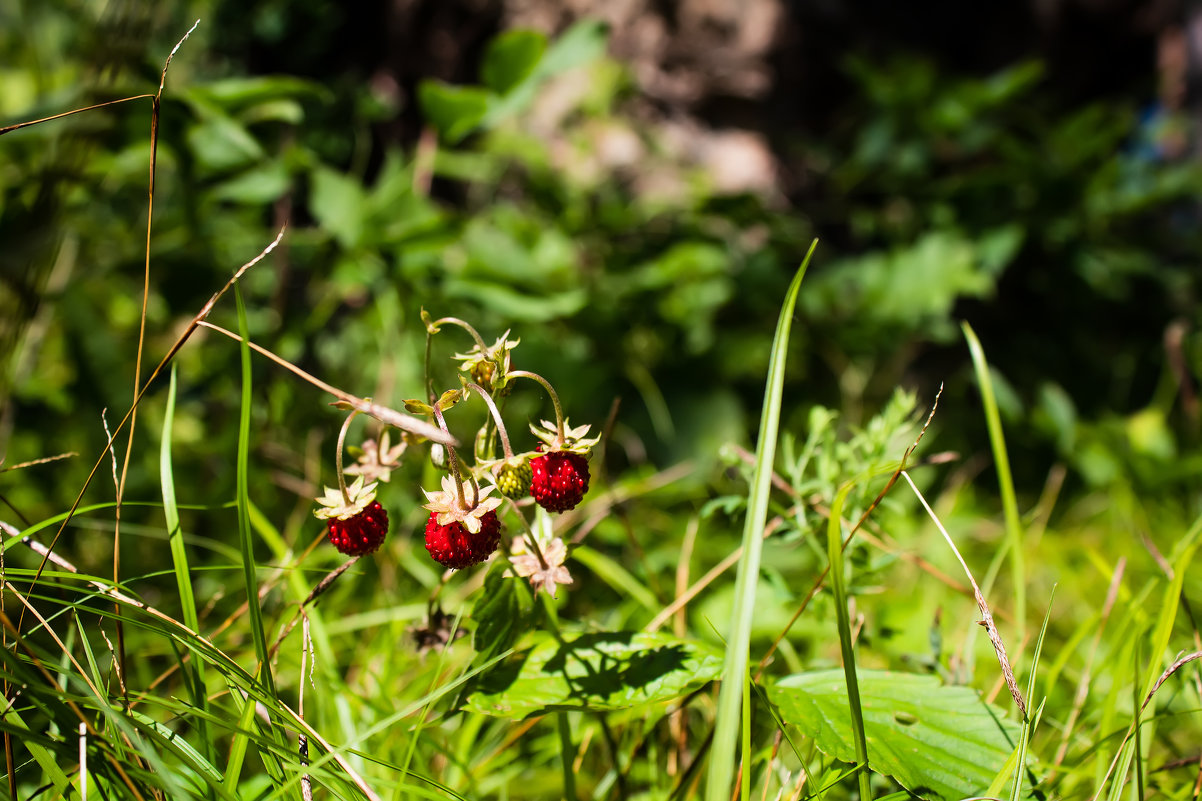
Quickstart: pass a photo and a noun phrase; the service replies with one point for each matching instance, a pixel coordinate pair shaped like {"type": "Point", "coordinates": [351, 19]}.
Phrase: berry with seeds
{"type": "Point", "coordinates": [361, 533]}
{"type": "Point", "coordinates": [453, 545]}
{"type": "Point", "coordinates": [354, 519]}
{"type": "Point", "coordinates": [560, 479]}
{"type": "Point", "coordinates": [463, 528]}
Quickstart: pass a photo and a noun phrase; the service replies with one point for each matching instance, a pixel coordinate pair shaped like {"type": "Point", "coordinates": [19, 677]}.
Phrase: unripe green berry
{"type": "Point", "coordinates": [513, 479]}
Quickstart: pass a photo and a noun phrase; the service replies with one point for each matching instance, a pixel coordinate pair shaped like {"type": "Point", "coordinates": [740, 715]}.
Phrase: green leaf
{"type": "Point", "coordinates": [511, 58]}
{"type": "Point", "coordinates": [938, 742]}
{"type": "Point", "coordinates": [600, 671]}
{"type": "Point", "coordinates": [511, 304]}
{"type": "Point", "coordinates": [337, 202]}
{"type": "Point", "coordinates": [579, 44]}
{"type": "Point", "coordinates": [500, 611]}
{"type": "Point", "coordinates": [236, 93]}
{"type": "Point", "coordinates": [262, 183]}
{"type": "Point", "coordinates": [454, 110]}
{"type": "Point", "coordinates": [219, 144]}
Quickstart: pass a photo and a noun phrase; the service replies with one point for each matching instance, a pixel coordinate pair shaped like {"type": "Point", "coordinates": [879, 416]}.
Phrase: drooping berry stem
{"type": "Point", "coordinates": [431, 330]}
{"type": "Point", "coordinates": [496, 416]}
{"type": "Point", "coordinates": [452, 457]}
{"type": "Point", "coordinates": [387, 416]}
{"type": "Point", "coordinates": [559, 432]}
{"type": "Point", "coordinates": [346, 424]}
{"type": "Point", "coordinates": [467, 327]}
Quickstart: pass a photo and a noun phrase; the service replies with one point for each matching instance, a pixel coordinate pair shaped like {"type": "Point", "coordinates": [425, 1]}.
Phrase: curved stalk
{"type": "Point", "coordinates": [466, 326]}
{"type": "Point", "coordinates": [346, 424]}
{"type": "Point", "coordinates": [452, 457]}
{"type": "Point", "coordinates": [496, 416]}
{"type": "Point", "coordinates": [559, 432]}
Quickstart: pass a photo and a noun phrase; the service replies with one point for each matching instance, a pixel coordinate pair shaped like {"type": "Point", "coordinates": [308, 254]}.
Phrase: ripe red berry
{"type": "Point", "coordinates": [361, 533]}
{"type": "Point", "coordinates": [452, 545]}
{"type": "Point", "coordinates": [560, 480]}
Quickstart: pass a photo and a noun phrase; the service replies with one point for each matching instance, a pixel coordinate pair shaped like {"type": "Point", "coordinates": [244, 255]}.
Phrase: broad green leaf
{"type": "Point", "coordinates": [219, 144]}
{"type": "Point", "coordinates": [500, 611]}
{"type": "Point", "coordinates": [236, 93]}
{"type": "Point", "coordinates": [578, 45]}
{"type": "Point", "coordinates": [601, 671]}
{"type": "Point", "coordinates": [511, 58]}
{"type": "Point", "coordinates": [454, 110]}
{"type": "Point", "coordinates": [262, 183]}
{"type": "Point", "coordinates": [583, 42]}
{"type": "Point", "coordinates": [337, 202]}
{"type": "Point", "coordinates": [511, 304]}
{"type": "Point", "coordinates": [938, 742]}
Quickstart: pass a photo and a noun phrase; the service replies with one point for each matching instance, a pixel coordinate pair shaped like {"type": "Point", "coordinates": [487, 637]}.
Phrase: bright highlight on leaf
{"type": "Point", "coordinates": [597, 672]}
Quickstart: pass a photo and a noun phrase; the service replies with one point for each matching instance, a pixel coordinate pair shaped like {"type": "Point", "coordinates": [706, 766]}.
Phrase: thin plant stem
{"type": "Point", "coordinates": [999, 647]}
{"type": "Point", "coordinates": [496, 416]}
{"type": "Point", "coordinates": [529, 536]}
{"type": "Point", "coordinates": [27, 123]}
{"type": "Point", "coordinates": [346, 424]}
{"type": "Point", "coordinates": [466, 326]}
{"type": "Point", "coordinates": [559, 432]}
{"type": "Point", "coordinates": [384, 414]}
{"type": "Point", "coordinates": [452, 458]}
{"type": "Point", "coordinates": [453, 464]}
{"type": "Point", "coordinates": [156, 105]}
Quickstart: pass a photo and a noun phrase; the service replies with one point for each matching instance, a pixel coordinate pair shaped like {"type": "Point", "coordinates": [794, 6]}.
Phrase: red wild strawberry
{"type": "Point", "coordinates": [560, 480]}
{"type": "Point", "coordinates": [361, 533]}
{"type": "Point", "coordinates": [463, 528]}
{"type": "Point", "coordinates": [453, 546]}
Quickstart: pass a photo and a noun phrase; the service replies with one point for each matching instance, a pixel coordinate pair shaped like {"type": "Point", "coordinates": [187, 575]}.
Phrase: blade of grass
{"type": "Point", "coordinates": [745, 741]}
{"type": "Point", "coordinates": [245, 532]}
{"type": "Point", "coordinates": [191, 669]}
{"type": "Point", "coordinates": [52, 772]}
{"type": "Point", "coordinates": [616, 576]}
{"type": "Point", "coordinates": [1171, 602]}
{"type": "Point", "coordinates": [246, 540]}
{"type": "Point", "coordinates": [834, 546]}
{"type": "Point", "coordinates": [734, 670]}
{"type": "Point", "coordinates": [1137, 739]}
{"type": "Point", "coordinates": [1028, 729]}
{"type": "Point", "coordinates": [240, 742]}
{"type": "Point", "coordinates": [997, 442]}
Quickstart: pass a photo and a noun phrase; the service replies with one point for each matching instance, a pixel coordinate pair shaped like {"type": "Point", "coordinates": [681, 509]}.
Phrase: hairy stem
{"type": "Point", "coordinates": [466, 326]}
{"type": "Point", "coordinates": [346, 424]}
{"type": "Point", "coordinates": [452, 457]}
{"type": "Point", "coordinates": [560, 437]}
{"type": "Point", "coordinates": [496, 416]}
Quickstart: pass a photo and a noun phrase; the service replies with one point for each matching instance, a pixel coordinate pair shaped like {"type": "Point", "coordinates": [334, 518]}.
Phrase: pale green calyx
{"type": "Point", "coordinates": [332, 504]}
